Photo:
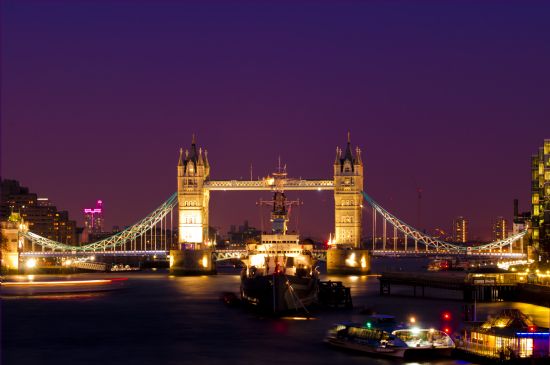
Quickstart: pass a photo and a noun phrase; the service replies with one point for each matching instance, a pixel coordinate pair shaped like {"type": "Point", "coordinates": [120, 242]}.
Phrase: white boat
{"type": "Point", "coordinates": [395, 343]}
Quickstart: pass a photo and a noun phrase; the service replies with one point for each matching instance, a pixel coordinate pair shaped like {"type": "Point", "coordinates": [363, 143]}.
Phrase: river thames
{"type": "Point", "coordinates": [161, 319]}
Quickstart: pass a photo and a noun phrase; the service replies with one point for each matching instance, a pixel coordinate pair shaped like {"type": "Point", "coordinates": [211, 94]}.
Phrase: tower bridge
{"type": "Point", "coordinates": [192, 250]}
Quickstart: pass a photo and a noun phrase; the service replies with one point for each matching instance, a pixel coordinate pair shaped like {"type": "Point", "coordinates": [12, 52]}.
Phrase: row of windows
{"type": "Point", "coordinates": [279, 242]}
{"type": "Point", "coordinates": [191, 204]}
{"type": "Point", "coordinates": [190, 220]}
{"type": "Point", "coordinates": [347, 219]}
{"type": "Point", "coordinates": [345, 203]}
{"type": "Point", "coordinates": [189, 182]}
{"type": "Point", "coordinates": [281, 252]}
{"type": "Point", "coordinates": [366, 333]}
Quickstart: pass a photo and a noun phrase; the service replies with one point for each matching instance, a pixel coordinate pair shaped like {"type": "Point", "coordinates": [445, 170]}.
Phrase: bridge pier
{"type": "Point", "coordinates": [350, 261]}
{"type": "Point", "coordinates": [192, 262]}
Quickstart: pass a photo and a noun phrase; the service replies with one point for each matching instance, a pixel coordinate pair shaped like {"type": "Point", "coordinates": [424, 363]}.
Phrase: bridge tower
{"type": "Point", "coordinates": [348, 184]}
{"type": "Point", "coordinates": [193, 171]}
{"type": "Point", "coordinates": [193, 255]}
{"type": "Point", "coordinates": [346, 255]}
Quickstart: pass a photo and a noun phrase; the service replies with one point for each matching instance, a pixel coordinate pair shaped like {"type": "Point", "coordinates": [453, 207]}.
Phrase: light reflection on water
{"type": "Point", "coordinates": [178, 320]}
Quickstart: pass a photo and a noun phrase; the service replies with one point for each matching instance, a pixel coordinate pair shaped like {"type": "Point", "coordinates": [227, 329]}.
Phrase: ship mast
{"type": "Point", "coordinates": [281, 206]}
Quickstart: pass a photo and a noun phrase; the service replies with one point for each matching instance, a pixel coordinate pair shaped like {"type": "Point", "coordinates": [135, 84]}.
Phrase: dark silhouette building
{"type": "Point", "coordinates": [42, 217]}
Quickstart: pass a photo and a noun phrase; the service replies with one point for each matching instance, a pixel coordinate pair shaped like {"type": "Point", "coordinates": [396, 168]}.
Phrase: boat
{"type": "Point", "coordinates": [28, 288]}
{"type": "Point", "coordinates": [279, 273]}
{"type": "Point", "coordinates": [378, 336]}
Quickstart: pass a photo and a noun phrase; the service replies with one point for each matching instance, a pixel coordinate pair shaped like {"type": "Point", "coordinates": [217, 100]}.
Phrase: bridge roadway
{"type": "Point", "coordinates": [219, 255]}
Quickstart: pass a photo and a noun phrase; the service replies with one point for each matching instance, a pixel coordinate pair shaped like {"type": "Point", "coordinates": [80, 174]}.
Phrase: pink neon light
{"type": "Point", "coordinates": [93, 211]}
{"type": "Point", "coordinates": [100, 202]}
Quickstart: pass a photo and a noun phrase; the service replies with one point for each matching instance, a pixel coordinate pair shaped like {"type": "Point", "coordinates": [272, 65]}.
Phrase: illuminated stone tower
{"type": "Point", "coordinates": [348, 184]}
{"type": "Point", "coordinates": [193, 171]}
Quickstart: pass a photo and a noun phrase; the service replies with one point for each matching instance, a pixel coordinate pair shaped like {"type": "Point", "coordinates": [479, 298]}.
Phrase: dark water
{"type": "Point", "coordinates": [158, 319]}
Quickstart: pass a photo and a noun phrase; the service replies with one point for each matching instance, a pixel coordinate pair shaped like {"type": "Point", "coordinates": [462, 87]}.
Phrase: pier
{"type": "Point", "coordinates": [482, 287]}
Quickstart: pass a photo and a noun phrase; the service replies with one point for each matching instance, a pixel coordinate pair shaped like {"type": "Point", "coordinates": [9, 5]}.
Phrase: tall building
{"type": "Point", "coordinates": [460, 230]}
{"type": "Point", "coordinates": [500, 229]}
{"type": "Point", "coordinates": [93, 218]}
{"type": "Point", "coordinates": [193, 171]}
{"type": "Point", "coordinates": [540, 202]}
{"type": "Point", "coordinates": [348, 184]}
{"type": "Point", "coordinates": [42, 217]}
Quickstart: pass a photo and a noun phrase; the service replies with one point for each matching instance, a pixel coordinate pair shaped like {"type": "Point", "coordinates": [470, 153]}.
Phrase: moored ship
{"type": "Point", "coordinates": [279, 273]}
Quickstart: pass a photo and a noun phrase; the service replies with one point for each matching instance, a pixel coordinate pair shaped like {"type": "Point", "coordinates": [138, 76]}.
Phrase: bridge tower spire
{"type": "Point", "coordinates": [348, 184]}
{"type": "Point", "coordinates": [193, 199]}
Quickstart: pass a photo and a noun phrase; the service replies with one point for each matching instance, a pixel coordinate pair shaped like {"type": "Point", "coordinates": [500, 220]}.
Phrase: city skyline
{"type": "Point", "coordinates": [458, 120]}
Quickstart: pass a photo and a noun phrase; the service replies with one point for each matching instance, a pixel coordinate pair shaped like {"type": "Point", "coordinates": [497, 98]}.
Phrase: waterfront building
{"type": "Point", "coordinates": [42, 217]}
{"type": "Point", "coordinates": [499, 229]}
{"type": "Point", "coordinates": [460, 230]}
{"type": "Point", "coordinates": [540, 202]}
{"type": "Point", "coordinates": [93, 218]}
{"type": "Point", "coordinates": [510, 334]}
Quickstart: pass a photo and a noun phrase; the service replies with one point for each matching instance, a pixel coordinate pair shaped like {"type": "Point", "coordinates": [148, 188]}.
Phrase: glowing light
{"type": "Point", "coordinates": [363, 262]}
{"type": "Point", "coordinates": [447, 330]}
{"type": "Point", "coordinates": [351, 261]}
{"type": "Point", "coordinates": [415, 330]}
{"type": "Point", "coordinates": [330, 240]}
{"type": "Point", "coordinates": [257, 260]}
{"type": "Point", "coordinates": [205, 261]}
{"type": "Point", "coordinates": [299, 318]}
{"type": "Point", "coordinates": [171, 260]}
{"type": "Point", "coordinates": [412, 320]}
{"type": "Point", "coordinates": [31, 263]}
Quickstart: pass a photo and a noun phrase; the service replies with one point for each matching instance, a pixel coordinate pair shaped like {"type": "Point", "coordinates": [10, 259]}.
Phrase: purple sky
{"type": "Point", "coordinates": [450, 96]}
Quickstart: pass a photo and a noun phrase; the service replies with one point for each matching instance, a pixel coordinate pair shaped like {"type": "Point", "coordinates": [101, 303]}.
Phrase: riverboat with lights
{"type": "Point", "coordinates": [375, 338]}
{"type": "Point", "coordinates": [279, 273]}
{"type": "Point", "coordinates": [27, 288]}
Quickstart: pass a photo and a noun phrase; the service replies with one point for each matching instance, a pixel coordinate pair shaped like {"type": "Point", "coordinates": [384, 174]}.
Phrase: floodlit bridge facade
{"type": "Point", "coordinates": [155, 235]}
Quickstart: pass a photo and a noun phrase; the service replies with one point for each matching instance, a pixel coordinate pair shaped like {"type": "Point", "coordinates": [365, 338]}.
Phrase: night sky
{"type": "Point", "coordinates": [452, 97]}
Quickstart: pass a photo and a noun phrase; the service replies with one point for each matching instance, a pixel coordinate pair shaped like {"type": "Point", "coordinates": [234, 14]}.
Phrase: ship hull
{"type": "Point", "coordinates": [401, 352]}
{"type": "Point", "coordinates": [370, 349]}
{"type": "Point", "coordinates": [279, 293]}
